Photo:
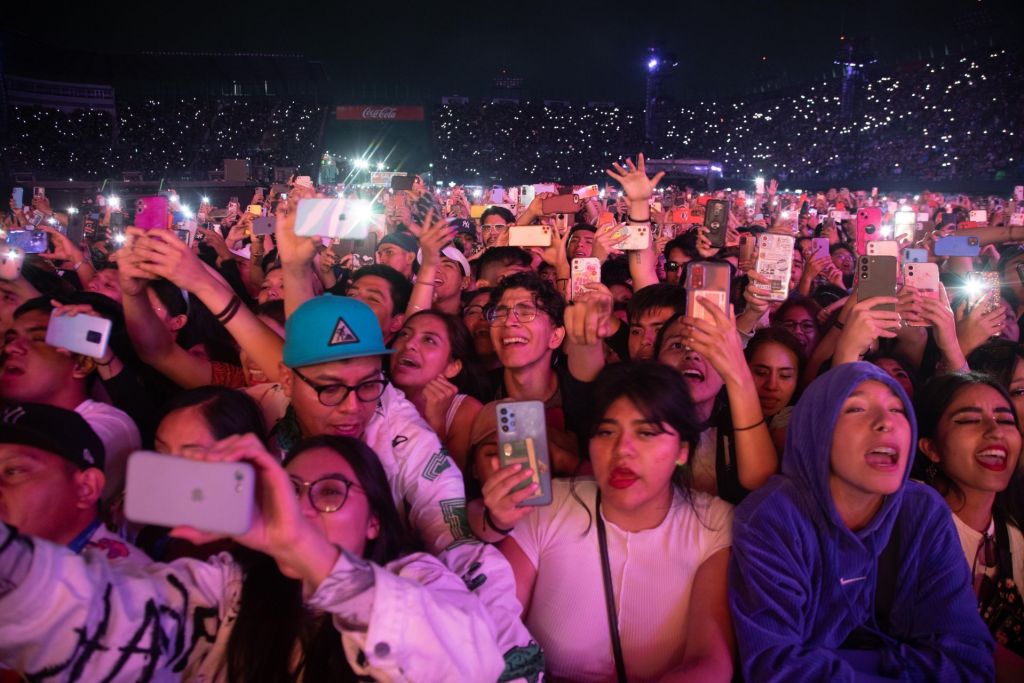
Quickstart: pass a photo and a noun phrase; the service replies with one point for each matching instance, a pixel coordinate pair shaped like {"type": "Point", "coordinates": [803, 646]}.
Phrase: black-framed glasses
{"type": "Point", "coordinates": [474, 311]}
{"type": "Point", "coordinates": [803, 325]}
{"type": "Point", "coordinates": [334, 394]}
{"type": "Point", "coordinates": [524, 311]}
{"type": "Point", "coordinates": [326, 494]}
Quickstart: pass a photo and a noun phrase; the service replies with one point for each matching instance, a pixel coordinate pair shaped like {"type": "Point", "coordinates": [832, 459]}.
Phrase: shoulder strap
{"type": "Point", "coordinates": [885, 582]}
{"type": "Point", "coordinates": [609, 594]}
{"type": "Point", "coordinates": [1003, 550]}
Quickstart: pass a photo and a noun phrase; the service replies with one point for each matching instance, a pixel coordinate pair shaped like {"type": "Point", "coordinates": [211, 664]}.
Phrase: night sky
{"type": "Point", "coordinates": [398, 52]}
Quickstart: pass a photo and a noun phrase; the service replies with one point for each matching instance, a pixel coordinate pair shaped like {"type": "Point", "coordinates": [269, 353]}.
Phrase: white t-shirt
{"type": "Point", "coordinates": [652, 574]}
{"type": "Point", "coordinates": [119, 435]}
{"type": "Point", "coordinates": [970, 540]}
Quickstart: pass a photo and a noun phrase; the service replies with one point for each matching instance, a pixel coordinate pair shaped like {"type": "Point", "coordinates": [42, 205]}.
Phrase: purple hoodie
{"type": "Point", "coordinates": [800, 581]}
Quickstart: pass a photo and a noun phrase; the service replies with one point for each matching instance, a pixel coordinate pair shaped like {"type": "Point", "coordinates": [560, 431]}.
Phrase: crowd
{"type": "Point", "coordinates": [944, 119]}
{"type": "Point", "coordinates": [473, 464]}
{"type": "Point", "coordinates": [178, 138]}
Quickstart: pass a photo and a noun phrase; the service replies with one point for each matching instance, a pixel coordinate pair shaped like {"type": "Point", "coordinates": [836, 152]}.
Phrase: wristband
{"type": "Point", "coordinates": [492, 525]}
{"type": "Point", "coordinates": [756, 424]}
{"type": "Point", "coordinates": [229, 311]}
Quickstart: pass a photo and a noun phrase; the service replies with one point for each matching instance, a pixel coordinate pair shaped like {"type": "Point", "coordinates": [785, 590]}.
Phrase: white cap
{"type": "Point", "coordinates": [450, 252]}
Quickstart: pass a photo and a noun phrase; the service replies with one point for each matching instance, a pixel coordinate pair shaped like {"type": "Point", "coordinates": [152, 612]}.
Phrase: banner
{"type": "Point", "coordinates": [372, 112]}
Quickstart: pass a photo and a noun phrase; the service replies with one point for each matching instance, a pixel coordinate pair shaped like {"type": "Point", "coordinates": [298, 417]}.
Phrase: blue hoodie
{"type": "Point", "coordinates": [800, 581]}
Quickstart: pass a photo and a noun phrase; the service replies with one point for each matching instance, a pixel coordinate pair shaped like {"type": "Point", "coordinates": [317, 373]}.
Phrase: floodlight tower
{"type": "Point", "coordinates": [658, 66]}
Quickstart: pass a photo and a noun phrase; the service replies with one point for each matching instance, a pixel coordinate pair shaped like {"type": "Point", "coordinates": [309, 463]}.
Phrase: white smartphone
{"type": "Point", "coordinates": [636, 237]}
{"type": "Point", "coordinates": [170, 491]}
{"type": "Point", "coordinates": [775, 262]}
{"type": "Point", "coordinates": [883, 248]}
{"type": "Point", "coordinates": [84, 334]}
{"type": "Point", "coordinates": [978, 216]}
{"type": "Point", "coordinates": [529, 236]}
{"type": "Point", "coordinates": [925, 278]}
{"type": "Point", "coordinates": [584, 271]}
{"type": "Point", "coordinates": [10, 262]}
{"type": "Point", "coordinates": [338, 219]}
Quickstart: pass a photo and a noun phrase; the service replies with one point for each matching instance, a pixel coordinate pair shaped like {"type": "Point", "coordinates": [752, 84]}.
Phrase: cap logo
{"type": "Point", "coordinates": [342, 334]}
{"type": "Point", "coordinates": [12, 415]}
{"type": "Point", "coordinates": [88, 457]}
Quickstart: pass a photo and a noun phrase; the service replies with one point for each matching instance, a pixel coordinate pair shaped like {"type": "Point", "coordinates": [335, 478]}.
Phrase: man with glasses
{"type": "Point", "coordinates": [333, 373]}
{"type": "Point", "coordinates": [493, 222]}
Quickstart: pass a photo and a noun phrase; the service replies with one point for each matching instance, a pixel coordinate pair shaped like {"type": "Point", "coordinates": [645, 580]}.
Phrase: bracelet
{"type": "Point", "coordinates": [839, 325]}
{"type": "Point", "coordinates": [490, 523]}
{"type": "Point", "coordinates": [227, 309]}
{"type": "Point", "coordinates": [756, 424]}
{"type": "Point", "coordinates": [103, 365]}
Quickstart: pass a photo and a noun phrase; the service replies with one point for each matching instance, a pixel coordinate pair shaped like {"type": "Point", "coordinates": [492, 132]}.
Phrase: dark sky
{"type": "Point", "coordinates": [393, 52]}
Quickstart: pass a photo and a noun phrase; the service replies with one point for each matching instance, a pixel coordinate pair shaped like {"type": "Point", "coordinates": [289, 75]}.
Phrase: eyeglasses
{"type": "Point", "coordinates": [334, 394]}
{"type": "Point", "coordinates": [803, 325]}
{"type": "Point", "coordinates": [493, 226]}
{"type": "Point", "coordinates": [671, 266]}
{"type": "Point", "coordinates": [476, 310]}
{"type": "Point", "coordinates": [524, 312]}
{"type": "Point", "coordinates": [326, 494]}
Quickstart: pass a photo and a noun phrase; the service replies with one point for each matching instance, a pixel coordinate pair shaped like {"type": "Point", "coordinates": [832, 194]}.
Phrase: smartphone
{"type": "Point", "coordinates": [401, 183]}
{"type": "Point", "coordinates": [18, 194]}
{"type": "Point", "coordinates": [716, 219]}
{"type": "Point", "coordinates": [957, 245]}
{"type": "Point", "coordinates": [584, 271]}
{"type": "Point", "coordinates": [255, 210]}
{"type": "Point", "coordinates": [759, 185]}
{"type": "Point", "coordinates": [150, 213]}
{"type": "Point", "coordinates": [775, 262]}
{"type": "Point", "coordinates": [915, 255]}
{"type": "Point", "coordinates": [561, 203]}
{"type": "Point", "coordinates": [924, 277]}
{"type": "Point", "coordinates": [84, 334]}
{"type": "Point", "coordinates": [586, 191]}
{"type": "Point", "coordinates": [29, 241]}
{"type": "Point", "coordinates": [710, 281]}
{"type": "Point", "coordinates": [869, 227]}
{"type": "Point", "coordinates": [334, 218]}
{"type": "Point", "coordinates": [10, 262]}
{"type": "Point", "coordinates": [264, 225]}
{"type": "Point", "coordinates": [635, 237]}
{"type": "Point", "coordinates": [820, 247]}
{"type": "Point", "coordinates": [1018, 193]}
{"type": "Point", "coordinates": [523, 439]}
{"type": "Point", "coordinates": [529, 236]}
{"type": "Point", "coordinates": [184, 235]}
{"type": "Point", "coordinates": [170, 491]}
{"type": "Point", "coordinates": [877, 277]}
{"type": "Point", "coordinates": [983, 290]}
{"type": "Point", "coordinates": [978, 216]}
{"type": "Point", "coordinates": [680, 216]}
{"type": "Point", "coordinates": [747, 244]}
{"type": "Point", "coordinates": [883, 248]}
{"type": "Point", "coordinates": [1017, 218]}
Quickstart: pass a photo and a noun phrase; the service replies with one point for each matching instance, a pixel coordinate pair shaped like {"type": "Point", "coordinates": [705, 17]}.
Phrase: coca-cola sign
{"type": "Point", "coordinates": [374, 112]}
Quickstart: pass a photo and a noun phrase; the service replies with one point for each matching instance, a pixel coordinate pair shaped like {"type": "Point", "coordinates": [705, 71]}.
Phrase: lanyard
{"type": "Point", "coordinates": [80, 541]}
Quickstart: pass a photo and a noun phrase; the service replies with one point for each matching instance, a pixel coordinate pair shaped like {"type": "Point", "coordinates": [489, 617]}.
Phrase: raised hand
{"type": "Point", "coordinates": [294, 251]}
{"type": "Point", "coordinates": [633, 178]}
{"type": "Point", "coordinates": [502, 503]}
{"type": "Point", "coordinates": [863, 326]}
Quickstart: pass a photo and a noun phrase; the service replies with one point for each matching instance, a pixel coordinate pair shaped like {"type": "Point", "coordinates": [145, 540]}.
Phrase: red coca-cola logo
{"type": "Point", "coordinates": [380, 112]}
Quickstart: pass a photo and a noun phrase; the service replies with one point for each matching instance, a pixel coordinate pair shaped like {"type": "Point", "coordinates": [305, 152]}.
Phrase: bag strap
{"type": "Point", "coordinates": [885, 582]}
{"type": "Point", "coordinates": [609, 594]}
{"type": "Point", "coordinates": [1003, 552]}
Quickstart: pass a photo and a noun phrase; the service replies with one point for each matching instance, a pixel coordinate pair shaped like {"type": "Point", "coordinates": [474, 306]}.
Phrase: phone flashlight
{"type": "Point", "coordinates": [206, 200]}
{"type": "Point", "coordinates": [975, 288]}
{"type": "Point", "coordinates": [115, 202]}
{"type": "Point", "coordinates": [72, 210]}
{"type": "Point", "coordinates": [119, 238]}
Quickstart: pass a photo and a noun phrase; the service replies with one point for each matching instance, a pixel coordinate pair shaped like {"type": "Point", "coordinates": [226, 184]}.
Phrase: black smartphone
{"type": "Point", "coordinates": [716, 220]}
{"type": "Point", "coordinates": [402, 182]}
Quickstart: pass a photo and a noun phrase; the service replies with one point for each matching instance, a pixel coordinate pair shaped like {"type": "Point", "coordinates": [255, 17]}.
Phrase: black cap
{"type": "Point", "coordinates": [62, 432]}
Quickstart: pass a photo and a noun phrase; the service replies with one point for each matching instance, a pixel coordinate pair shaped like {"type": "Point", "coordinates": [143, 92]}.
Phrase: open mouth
{"type": "Point", "coordinates": [992, 458]}
{"type": "Point", "coordinates": [883, 458]}
{"type": "Point", "coordinates": [622, 478]}
{"type": "Point", "coordinates": [693, 374]}
{"type": "Point", "coordinates": [514, 341]}
{"type": "Point", "coordinates": [407, 362]}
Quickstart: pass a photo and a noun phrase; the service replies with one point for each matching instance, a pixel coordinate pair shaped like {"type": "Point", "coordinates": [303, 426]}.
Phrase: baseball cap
{"type": "Point", "coordinates": [402, 240]}
{"type": "Point", "coordinates": [62, 432]}
{"type": "Point", "coordinates": [450, 252]}
{"type": "Point", "coordinates": [328, 328]}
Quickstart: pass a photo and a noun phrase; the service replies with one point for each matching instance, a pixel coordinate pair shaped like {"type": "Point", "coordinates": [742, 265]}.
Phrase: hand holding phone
{"type": "Point", "coordinates": [523, 440]}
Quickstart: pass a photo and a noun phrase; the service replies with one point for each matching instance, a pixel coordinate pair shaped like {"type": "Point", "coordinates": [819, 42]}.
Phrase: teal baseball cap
{"type": "Point", "coordinates": [328, 328]}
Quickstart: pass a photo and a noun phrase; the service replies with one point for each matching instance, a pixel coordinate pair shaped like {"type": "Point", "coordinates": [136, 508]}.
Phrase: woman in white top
{"type": "Point", "coordinates": [667, 547]}
{"type": "Point", "coordinates": [971, 443]}
{"type": "Point", "coordinates": [436, 366]}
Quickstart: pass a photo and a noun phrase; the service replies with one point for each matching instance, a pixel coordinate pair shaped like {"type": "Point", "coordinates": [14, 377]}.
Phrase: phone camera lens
{"type": "Point", "coordinates": [504, 411]}
{"type": "Point", "coordinates": [504, 428]}
{"type": "Point", "coordinates": [504, 420]}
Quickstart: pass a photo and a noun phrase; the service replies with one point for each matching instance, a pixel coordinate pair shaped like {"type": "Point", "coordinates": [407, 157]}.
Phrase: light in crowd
{"type": "Point", "coordinates": [361, 164]}
{"type": "Point", "coordinates": [477, 193]}
{"type": "Point", "coordinates": [652, 64]}
{"type": "Point", "coordinates": [886, 231]}
{"type": "Point", "coordinates": [975, 288]}
{"type": "Point", "coordinates": [380, 165]}
{"type": "Point", "coordinates": [13, 254]}
{"type": "Point", "coordinates": [72, 211]}
{"type": "Point", "coordinates": [206, 200]}
{"type": "Point", "coordinates": [187, 212]}
{"type": "Point", "coordinates": [119, 238]}
{"type": "Point", "coordinates": [114, 202]}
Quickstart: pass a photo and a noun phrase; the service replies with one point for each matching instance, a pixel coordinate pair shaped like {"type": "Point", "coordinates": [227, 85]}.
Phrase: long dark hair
{"type": "Point", "coordinates": [934, 398]}
{"type": "Point", "coordinates": [471, 379]}
{"type": "Point", "coordinates": [272, 618]}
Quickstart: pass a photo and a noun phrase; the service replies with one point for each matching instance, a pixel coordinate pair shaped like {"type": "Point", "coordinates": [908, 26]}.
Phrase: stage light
{"type": "Point", "coordinates": [361, 164]}
{"type": "Point", "coordinates": [652, 64]}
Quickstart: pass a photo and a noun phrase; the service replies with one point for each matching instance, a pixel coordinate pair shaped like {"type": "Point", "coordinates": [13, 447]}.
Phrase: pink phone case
{"type": "Point", "coordinates": [151, 213]}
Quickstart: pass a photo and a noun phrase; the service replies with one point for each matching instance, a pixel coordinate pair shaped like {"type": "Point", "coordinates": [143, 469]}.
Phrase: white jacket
{"type": "Point", "coordinates": [81, 618]}
{"type": "Point", "coordinates": [430, 495]}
